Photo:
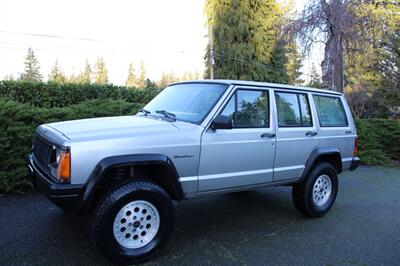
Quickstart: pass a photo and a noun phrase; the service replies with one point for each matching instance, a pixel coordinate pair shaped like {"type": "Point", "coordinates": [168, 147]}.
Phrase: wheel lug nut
{"type": "Point", "coordinates": [134, 217]}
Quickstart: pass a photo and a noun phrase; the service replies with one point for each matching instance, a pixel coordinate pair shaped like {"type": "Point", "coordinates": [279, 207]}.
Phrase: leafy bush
{"type": "Point", "coordinates": [17, 125]}
{"type": "Point", "coordinates": [379, 141]}
{"type": "Point", "coordinates": [53, 94]}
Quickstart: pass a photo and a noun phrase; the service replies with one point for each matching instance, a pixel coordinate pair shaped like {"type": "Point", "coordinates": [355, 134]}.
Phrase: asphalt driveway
{"type": "Point", "coordinates": [259, 227]}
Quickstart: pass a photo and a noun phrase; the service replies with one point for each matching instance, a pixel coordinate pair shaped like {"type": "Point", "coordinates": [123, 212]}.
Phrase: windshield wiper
{"type": "Point", "coordinates": [144, 111]}
{"type": "Point", "coordinates": [166, 114]}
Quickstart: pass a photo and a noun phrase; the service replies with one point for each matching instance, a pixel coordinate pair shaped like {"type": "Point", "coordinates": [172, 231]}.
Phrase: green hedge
{"type": "Point", "coordinates": [19, 120]}
{"type": "Point", "coordinates": [53, 94]}
{"type": "Point", "coordinates": [379, 141]}
{"type": "Point", "coordinates": [25, 105]}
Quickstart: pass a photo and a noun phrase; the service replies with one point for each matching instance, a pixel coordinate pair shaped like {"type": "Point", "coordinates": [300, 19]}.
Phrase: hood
{"type": "Point", "coordinates": [114, 127]}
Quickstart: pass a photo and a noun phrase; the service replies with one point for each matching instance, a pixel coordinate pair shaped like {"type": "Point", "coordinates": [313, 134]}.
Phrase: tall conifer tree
{"type": "Point", "coordinates": [244, 38]}
{"type": "Point", "coordinates": [86, 75]}
{"type": "Point", "coordinates": [141, 80]}
{"type": "Point", "coordinates": [315, 78]}
{"type": "Point", "coordinates": [56, 73]}
{"type": "Point", "coordinates": [100, 71]}
{"type": "Point", "coordinates": [131, 81]}
{"type": "Point", "coordinates": [32, 68]}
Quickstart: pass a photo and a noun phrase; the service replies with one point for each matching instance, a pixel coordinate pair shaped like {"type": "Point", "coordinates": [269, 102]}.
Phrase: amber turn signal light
{"type": "Point", "coordinates": [64, 167]}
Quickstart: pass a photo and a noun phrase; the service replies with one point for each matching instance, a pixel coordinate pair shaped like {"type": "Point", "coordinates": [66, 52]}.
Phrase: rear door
{"type": "Point", "coordinates": [296, 134]}
{"type": "Point", "coordinates": [244, 155]}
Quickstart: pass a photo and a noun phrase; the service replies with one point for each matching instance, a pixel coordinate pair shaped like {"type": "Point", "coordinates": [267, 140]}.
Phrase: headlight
{"type": "Point", "coordinates": [58, 156]}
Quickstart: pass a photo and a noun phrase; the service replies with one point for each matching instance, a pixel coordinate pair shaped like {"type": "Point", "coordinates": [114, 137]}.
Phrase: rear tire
{"type": "Point", "coordinates": [133, 221]}
{"type": "Point", "coordinates": [315, 195]}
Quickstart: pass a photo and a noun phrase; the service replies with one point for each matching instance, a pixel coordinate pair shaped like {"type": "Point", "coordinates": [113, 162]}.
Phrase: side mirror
{"type": "Point", "coordinates": [222, 122]}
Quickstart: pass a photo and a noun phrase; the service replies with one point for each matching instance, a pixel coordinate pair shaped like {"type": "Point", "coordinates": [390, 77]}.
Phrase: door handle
{"type": "Point", "coordinates": [347, 132]}
{"type": "Point", "coordinates": [268, 135]}
{"type": "Point", "coordinates": [311, 133]}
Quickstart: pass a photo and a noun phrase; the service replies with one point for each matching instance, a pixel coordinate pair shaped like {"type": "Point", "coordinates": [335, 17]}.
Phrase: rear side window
{"type": "Point", "coordinates": [330, 111]}
{"type": "Point", "coordinates": [248, 109]}
{"type": "Point", "coordinates": [293, 109]}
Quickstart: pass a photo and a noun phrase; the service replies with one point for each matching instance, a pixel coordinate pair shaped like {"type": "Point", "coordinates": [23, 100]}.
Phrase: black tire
{"type": "Point", "coordinates": [302, 193]}
{"type": "Point", "coordinates": [113, 202]}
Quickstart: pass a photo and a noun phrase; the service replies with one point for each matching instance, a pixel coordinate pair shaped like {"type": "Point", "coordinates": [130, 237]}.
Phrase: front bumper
{"type": "Point", "coordinates": [65, 196]}
{"type": "Point", "coordinates": [355, 163]}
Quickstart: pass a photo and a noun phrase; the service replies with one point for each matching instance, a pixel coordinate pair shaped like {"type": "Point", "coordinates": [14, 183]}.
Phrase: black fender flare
{"type": "Point", "coordinates": [314, 156]}
{"type": "Point", "coordinates": [105, 165]}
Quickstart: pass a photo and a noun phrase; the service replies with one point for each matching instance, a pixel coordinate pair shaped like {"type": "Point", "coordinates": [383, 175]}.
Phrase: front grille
{"type": "Point", "coordinates": [42, 151]}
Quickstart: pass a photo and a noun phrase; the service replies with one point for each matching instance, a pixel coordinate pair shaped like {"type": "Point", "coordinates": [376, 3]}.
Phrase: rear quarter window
{"type": "Point", "coordinates": [330, 111]}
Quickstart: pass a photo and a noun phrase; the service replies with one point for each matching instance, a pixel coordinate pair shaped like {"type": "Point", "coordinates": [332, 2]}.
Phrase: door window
{"type": "Point", "coordinates": [293, 109]}
{"type": "Point", "coordinates": [248, 109]}
{"type": "Point", "coordinates": [330, 111]}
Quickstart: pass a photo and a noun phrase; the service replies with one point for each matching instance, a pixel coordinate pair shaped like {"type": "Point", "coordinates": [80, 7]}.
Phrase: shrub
{"type": "Point", "coordinates": [53, 94]}
{"type": "Point", "coordinates": [17, 125]}
{"type": "Point", "coordinates": [379, 141]}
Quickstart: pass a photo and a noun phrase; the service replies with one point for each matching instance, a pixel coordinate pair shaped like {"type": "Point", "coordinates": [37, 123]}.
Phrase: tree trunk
{"type": "Point", "coordinates": [327, 65]}
{"type": "Point", "coordinates": [338, 67]}
{"type": "Point", "coordinates": [332, 65]}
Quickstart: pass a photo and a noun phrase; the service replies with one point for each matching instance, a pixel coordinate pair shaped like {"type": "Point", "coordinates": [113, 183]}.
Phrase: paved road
{"type": "Point", "coordinates": [251, 228]}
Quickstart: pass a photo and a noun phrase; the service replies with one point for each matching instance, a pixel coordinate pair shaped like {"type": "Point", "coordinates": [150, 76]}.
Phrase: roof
{"type": "Point", "coordinates": [259, 84]}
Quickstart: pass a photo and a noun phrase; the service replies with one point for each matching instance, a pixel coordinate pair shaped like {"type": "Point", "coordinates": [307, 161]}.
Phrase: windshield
{"type": "Point", "coordinates": [190, 102]}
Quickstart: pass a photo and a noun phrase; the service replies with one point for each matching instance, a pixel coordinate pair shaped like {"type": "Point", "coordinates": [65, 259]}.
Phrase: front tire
{"type": "Point", "coordinates": [133, 221]}
{"type": "Point", "coordinates": [315, 195]}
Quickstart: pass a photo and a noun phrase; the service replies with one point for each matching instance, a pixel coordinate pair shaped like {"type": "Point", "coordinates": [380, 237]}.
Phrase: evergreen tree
{"type": "Point", "coordinates": [190, 75]}
{"type": "Point", "coordinates": [276, 70]}
{"type": "Point", "coordinates": [32, 68]}
{"type": "Point", "coordinates": [187, 75]}
{"type": "Point", "coordinates": [389, 66]}
{"type": "Point", "coordinates": [150, 83]}
{"type": "Point", "coordinates": [73, 78]}
{"type": "Point", "coordinates": [315, 78]}
{"type": "Point", "coordinates": [9, 77]}
{"type": "Point", "coordinates": [100, 72]}
{"type": "Point", "coordinates": [294, 64]}
{"type": "Point", "coordinates": [141, 80]}
{"type": "Point", "coordinates": [370, 66]}
{"type": "Point", "coordinates": [172, 77]}
{"type": "Point", "coordinates": [131, 81]}
{"type": "Point", "coordinates": [86, 75]}
{"type": "Point", "coordinates": [166, 79]}
{"type": "Point", "coordinates": [244, 34]}
{"type": "Point", "coordinates": [287, 60]}
{"type": "Point", "coordinates": [197, 75]}
{"type": "Point", "coordinates": [56, 73]}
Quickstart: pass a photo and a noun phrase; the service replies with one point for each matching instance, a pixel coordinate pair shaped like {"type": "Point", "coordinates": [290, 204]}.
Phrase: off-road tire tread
{"type": "Point", "coordinates": [105, 204]}
{"type": "Point", "coordinates": [300, 190]}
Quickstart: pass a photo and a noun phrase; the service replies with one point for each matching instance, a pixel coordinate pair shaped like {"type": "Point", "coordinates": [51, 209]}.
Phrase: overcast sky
{"type": "Point", "coordinates": [166, 35]}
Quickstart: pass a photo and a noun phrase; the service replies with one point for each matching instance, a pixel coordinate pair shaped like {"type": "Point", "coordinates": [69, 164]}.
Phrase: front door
{"type": "Point", "coordinates": [243, 155]}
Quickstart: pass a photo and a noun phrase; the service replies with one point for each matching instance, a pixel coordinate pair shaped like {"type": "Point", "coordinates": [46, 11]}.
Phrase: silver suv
{"type": "Point", "coordinates": [194, 139]}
